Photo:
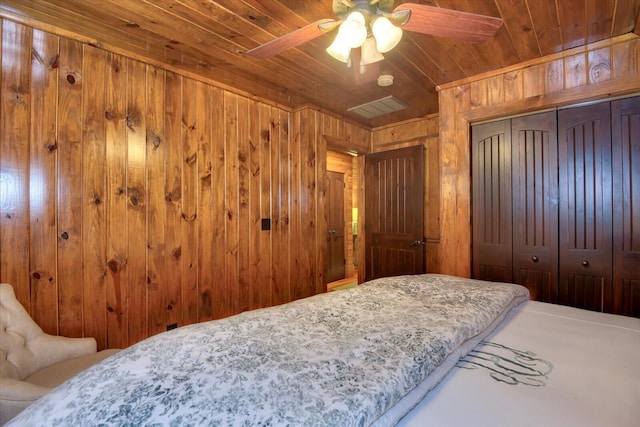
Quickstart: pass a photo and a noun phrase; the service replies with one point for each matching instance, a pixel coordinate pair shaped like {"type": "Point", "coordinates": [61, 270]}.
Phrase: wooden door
{"type": "Point", "coordinates": [491, 201]}
{"type": "Point", "coordinates": [335, 226]}
{"type": "Point", "coordinates": [535, 204]}
{"type": "Point", "coordinates": [584, 156]}
{"type": "Point", "coordinates": [394, 213]}
{"type": "Point", "coordinates": [626, 206]}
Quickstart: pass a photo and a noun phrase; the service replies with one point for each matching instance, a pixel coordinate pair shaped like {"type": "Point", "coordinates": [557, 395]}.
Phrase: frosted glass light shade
{"type": "Point", "coordinates": [353, 30]}
{"type": "Point", "coordinates": [387, 35]}
{"type": "Point", "coordinates": [369, 53]}
{"type": "Point", "coordinates": [340, 50]}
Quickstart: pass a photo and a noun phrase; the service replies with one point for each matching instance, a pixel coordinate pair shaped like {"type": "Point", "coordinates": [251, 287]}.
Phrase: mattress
{"type": "Point", "coordinates": [348, 358]}
{"type": "Point", "coordinates": [545, 365]}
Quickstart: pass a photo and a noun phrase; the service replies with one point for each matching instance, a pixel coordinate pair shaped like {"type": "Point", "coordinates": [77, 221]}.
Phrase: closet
{"type": "Point", "coordinates": [556, 204]}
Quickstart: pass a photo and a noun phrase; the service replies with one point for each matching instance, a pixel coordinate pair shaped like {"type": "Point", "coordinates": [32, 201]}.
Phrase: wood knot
{"type": "Point", "coordinates": [51, 147]}
{"type": "Point", "coordinates": [36, 275]}
{"type": "Point", "coordinates": [177, 253]}
{"type": "Point", "coordinates": [71, 79]}
{"type": "Point", "coordinates": [189, 218]}
{"type": "Point", "coordinates": [191, 159]}
{"type": "Point", "coordinates": [113, 266]}
{"type": "Point", "coordinates": [108, 115]}
{"type": "Point", "coordinates": [65, 235]}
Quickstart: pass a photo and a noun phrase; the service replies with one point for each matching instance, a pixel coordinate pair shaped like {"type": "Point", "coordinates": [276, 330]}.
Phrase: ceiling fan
{"type": "Point", "coordinates": [375, 27]}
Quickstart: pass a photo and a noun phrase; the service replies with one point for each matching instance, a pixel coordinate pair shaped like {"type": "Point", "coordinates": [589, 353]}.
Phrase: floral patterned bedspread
{"type": "Point", "coordinates": [337, 359]}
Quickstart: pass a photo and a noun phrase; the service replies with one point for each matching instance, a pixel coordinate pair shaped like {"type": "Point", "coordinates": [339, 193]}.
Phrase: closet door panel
{"type": "Point", "coordinates": [491, 199]}
{"type": "Point", "coordinates": [535, 204]}
{"type": "Point", "coordinates": [626, 206]}
{"type": "Point", "coordinates": [585, 205]}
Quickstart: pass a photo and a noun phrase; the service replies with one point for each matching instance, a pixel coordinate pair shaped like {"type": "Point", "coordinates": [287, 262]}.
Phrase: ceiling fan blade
{"type": "Point", "coordinates": [436, 21]}
{"type": "Point", "coordinates": [292, 39]}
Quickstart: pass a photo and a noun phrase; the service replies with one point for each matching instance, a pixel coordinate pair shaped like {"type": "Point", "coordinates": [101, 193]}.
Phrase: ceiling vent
{"type": "Point", "coordinates": [379, 107]}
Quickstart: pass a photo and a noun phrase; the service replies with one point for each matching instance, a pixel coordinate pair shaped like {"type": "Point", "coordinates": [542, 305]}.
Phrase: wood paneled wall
{"type": "Point", "coordinates": [132, 198]}
{"type": "Point", "coordinates": [410, 133]}
{"type": "Point", "coordinates": [599, 70]}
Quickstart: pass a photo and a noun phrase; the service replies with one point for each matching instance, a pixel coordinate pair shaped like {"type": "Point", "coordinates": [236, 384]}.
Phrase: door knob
{"type": "Point", "coordinates": [417, 243]}
{"type": "Point", "coordinates": [534, 258]}
{"type": "Point", "coordinates": [585, 263]}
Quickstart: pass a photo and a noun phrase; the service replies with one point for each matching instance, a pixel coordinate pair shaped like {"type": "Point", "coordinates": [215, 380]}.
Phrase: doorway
{"type": "Point", "coordinates": [341, 195]}
{"type": "Point", "coordinates": [336, 258]}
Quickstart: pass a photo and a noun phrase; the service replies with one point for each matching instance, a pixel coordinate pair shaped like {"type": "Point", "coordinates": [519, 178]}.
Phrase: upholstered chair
{"type": "Point", "coordinates": [31, 362]}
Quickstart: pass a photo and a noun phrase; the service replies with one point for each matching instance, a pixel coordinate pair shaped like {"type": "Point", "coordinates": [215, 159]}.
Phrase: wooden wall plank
{"type": "Point", "coordinates": [42, 182]}
{"type": "Point", "coordinates": [296, 260]}
{"type": "Point", "coordinates": [157, 249]}
{"type": "Point", "coordinates": [206, 211]}
{"type": "Point", "coordinates": [189, 212]}
{"type": "Point", "coordinates": [263, 269]}
{"type": "Point", "coordinates": [116, 202]}
{"type": "Point", "coordinates": [218, 243]}
{"type": "Point", "coordinates": [281, 208]}
{"type": "Point", "coordinates": [137, 192]}
{"type": "Point", "coordinates": [232, 236]}
{"type": "Point", "coordinates": [244, 226]}
{"type": "Point", "coordinates": [172, 291]}
{"type": "Point", "coordinates": [70, 274]}
{"type": "Point", "coordinates": [254, 209]}
{"type": "Point", "coordinates": [93, 187]}
{"type": "Point", "coordinates": [599, 65]}
{"type": "Point", "coordinates": [14, 159]}
{"type": "Point", "coordinates": [321, 226]}
{"type": "Point", "coordinates": [575, 67]}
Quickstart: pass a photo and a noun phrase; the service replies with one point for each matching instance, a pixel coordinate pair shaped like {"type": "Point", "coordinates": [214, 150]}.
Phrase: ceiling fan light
{"type": "Point", "coordinates": [387, 35]}
{"type": "Point", "coordinates": [369, 53]}
{"type": "Point", "coordinates": [340, 50]}
{"type": "Point", "coordinates": [353, 30]}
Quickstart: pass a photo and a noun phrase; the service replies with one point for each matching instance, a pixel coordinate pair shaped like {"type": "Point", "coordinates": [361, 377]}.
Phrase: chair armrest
{"type": "Point", "coordinates": [52, 349]}
{"type": "Point", "coordinates": [20, 391]}
{"type": "Point", "coordinates": [16, 395]}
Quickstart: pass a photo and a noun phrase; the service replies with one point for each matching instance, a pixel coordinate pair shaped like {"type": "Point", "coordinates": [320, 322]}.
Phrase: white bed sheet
{"type": "Point", "coordinates": [594, 377]}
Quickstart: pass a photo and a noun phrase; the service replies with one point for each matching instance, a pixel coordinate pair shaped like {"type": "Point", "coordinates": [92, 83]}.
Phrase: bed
{"type": "Point", "coordinates": [358, 357]}
{"type": "Point", "coordinates": [545, 365]}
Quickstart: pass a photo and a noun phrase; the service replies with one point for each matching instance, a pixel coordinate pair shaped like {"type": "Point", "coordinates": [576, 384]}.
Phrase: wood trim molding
{"type": "Point", "coordinates": [545, 59]}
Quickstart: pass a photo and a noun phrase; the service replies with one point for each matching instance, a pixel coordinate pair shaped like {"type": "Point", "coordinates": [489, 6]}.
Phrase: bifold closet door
{"type": "Point", "coordinates": [585, 206]}
{"type": "Point", "coordinates": [625, 115]}
{"type": "Point", "coordinates": [534, 146]}
{"type": "Point", "coordinates": [491, 201]}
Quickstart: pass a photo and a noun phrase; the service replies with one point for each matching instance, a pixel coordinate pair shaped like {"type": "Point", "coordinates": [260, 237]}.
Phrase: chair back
{"type": "Point", "coordinates": [17, 331]}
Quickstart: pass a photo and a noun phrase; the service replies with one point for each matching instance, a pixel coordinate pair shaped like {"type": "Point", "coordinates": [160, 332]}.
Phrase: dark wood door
{"type": "Point", "coordinates": [394, 213]}
{"type": "Point", "coordinates": [335, 226]}
{"type": "Point", "coordinates": [585, 202]}
{"type": "Point", "coordinates": [535, 204]}
{"type": "Point", "coordinates": [626, 206]}
{"type": "Point", "coordinates": [491, 201]}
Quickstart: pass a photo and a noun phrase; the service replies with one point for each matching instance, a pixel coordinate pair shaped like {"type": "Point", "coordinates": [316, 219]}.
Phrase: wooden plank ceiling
{"type": "Point", "coordinates": [210, 38]}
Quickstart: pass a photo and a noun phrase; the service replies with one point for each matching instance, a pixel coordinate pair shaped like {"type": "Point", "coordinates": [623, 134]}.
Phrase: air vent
{"type": "Point", "coordinates": [379, 107]}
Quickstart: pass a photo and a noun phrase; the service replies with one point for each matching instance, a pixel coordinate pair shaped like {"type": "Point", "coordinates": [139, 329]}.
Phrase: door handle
{"type": "Point", "coordinates": [535, 258]}
{"type": "Point", "coordinates": [417, 243]}
{"type": "Point", "coordinates": [585, 263]}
